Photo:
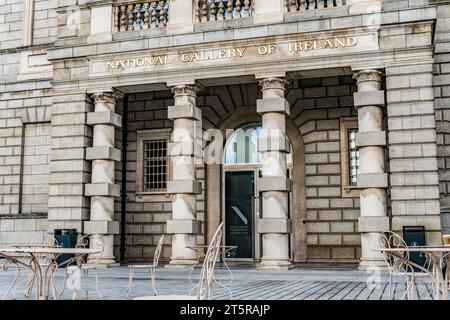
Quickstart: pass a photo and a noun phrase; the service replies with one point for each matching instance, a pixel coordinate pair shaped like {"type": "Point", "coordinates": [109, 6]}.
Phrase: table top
{"type": "Point", "coordinates": [205, 246]}
{"type": "Point", "coordinates": [437, 249]}
{"type": "Point", "coordinates": [48, 250]}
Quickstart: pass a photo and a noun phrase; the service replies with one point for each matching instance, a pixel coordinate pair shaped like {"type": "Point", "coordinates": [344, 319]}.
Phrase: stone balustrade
{"type": "Point", "coordinates": [302, 5]}
{"type": "Point", "coordinates": [217, 10]}
{"type": "Point", "coordinates": [154, 14]}
{"type": "Point", "coordinates": [141, 15]}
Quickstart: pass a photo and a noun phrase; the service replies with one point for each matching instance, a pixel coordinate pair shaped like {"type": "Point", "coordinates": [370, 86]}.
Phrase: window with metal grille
{"type": "Point", "coordinates": [155, 165]}
{"type": "Point", "coordinates": [353, 157]}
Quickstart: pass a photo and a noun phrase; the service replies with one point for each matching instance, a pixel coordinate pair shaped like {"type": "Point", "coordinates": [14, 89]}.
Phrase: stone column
{"type": "Point", "coordinates": [102, 189]}
{"type": "Point", "coordinates": [184, 150]}
{"type": "Point", "coordinates": [274, 225]}
{"type": "Point", "coordinates": [372, 179]}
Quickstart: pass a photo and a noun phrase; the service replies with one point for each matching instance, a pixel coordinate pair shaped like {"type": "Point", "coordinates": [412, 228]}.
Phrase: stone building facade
{"type": "Point", "coordinates": [111, 112]}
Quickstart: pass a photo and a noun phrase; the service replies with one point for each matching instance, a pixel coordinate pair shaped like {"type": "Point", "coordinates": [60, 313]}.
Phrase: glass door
{"type": "Point", "coordinates": [239, 214]}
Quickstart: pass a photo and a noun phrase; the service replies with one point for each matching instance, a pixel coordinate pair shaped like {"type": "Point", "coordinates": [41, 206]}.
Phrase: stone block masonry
{"type": "Point", "coordinates": [442, 109]}
{"type": "Point", "coordinates": [11, 14]}
{"type": "Point", "coordinates": [69, 170]}
{"type": "Point", "coordinates": [35, 168]}
{"type": "Point", "coordinates": [317, 106]}
{"type": "Point", "coordinates": [412, 148]}
{"type": "Point", "coordinates": [45, 21]}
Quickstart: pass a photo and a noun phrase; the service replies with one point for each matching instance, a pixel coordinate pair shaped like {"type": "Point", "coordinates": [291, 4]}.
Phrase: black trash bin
{"type": "Point", "coordinates": [415, 236]}
{"type": "Point", "coordinates": [66, 238]}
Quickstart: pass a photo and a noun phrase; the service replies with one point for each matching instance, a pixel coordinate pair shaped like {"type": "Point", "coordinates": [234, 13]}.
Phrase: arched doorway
{"type": "Point", "coordinates": [215, 204]}
{"type": "Point", "coordinates": [241, 199]}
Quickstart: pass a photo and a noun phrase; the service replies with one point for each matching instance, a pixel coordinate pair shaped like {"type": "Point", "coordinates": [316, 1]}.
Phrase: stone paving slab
{"type": "Point", "coordinates": [247, 284]}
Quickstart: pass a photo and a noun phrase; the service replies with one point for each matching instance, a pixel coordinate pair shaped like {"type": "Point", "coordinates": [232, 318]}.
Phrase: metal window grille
{"type": "Point", "coordinates": [155, 165]}
{"type": "Point", "coordinates": [353, 156]}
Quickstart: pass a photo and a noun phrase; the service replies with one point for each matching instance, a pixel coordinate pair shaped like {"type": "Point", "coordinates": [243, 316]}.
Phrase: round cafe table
{"type": "Point", "coordinates": [41, 261]}
{"type": "Point", "coordinates": [438, 257]}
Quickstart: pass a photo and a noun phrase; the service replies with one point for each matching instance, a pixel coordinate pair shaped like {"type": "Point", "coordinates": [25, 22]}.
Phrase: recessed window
{"type": "Point", "coordinates": [353, 157]}
{"type": "Point", "coordinates": [349, 157]}
{"type": "Point", "coordinates": [152, 164]}
{"type": "Point", "coordinates": [155, 165]}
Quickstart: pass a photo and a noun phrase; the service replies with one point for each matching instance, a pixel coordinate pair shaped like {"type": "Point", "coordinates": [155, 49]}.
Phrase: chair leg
{"type": "Point", "coordinates": [86, 282]}
{"type": "Point", "coordinates": [390, 287]}
{"type": "Point", "coordinates": [53, 286]}
{"type": "Point", "coordinates": [152, 275]}
{"type": "Point", "coordinates": [12, 286]}
{"type": "Point", "coordinates": [130, 281]}
{"type": "Point", "coordinates": [96, 284]}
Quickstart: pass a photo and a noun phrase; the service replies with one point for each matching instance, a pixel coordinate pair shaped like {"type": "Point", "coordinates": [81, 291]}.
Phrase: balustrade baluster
{"type": "Point", "coordinates": [201, 16]}
{"type": "Point", "coordinates": [213, 11]}
{"type": "Point", "coordinates": [288, 5]}
{"type": "Point", "coordinates": [162, 12]}
{"type": "Point", "coordinates": [130, 19]}
{"type": "Point", "coordinates": [205, 10]}
{"type": "Point", "coordinates": [221, 15]}
{"type": "Point", "coordinates": [153, 23]}
{"type": "Point", "coordinates": [138, 17]}
{"type": "Point", "coordinates": [229, 14]}
{"type": "Point", "coordinates": [246, 8]}
{"type": "Point", "coordinates": [237, 9]}
{"type": "Point", "coordinates": [116, 19]}
{"type": "Point", "coordinates": [123, 18]}
{"type": "Point", "coordinates": [146, 23]}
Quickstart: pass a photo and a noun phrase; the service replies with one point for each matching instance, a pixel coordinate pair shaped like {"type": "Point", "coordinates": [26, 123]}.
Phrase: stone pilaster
{"type": "Point", "coordinates": [372, 178]}
{"type": "Point", "coordinates": [184, 149]}
{"type": "Point", "coordinates": [102, 189]}
{"type": "Point", "coordinates": [274, 225]}
{"type": "Point", "coordinates": [412, 148]}
{"type": "Point", "coordinates": [68, 207]}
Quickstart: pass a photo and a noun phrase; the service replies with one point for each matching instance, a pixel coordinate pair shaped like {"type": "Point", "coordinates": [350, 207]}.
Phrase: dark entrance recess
{"type": "Point", "coordinates": [415, 236]}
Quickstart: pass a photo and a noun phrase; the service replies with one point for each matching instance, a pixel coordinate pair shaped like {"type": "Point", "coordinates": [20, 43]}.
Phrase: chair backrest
{"type": "Point", "coordinates": [399, 261]}
{"type": "Point", "coordinates": [158, 251]}
{"type": "Point", "coordinates": [46, 242]}
{"type": "Point", "coordinates": [87, 241]}
{"type": "Point", "coordinates": [209, 263]}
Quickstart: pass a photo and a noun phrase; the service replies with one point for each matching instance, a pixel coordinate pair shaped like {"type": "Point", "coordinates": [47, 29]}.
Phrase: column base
{"type": "Point", "coordinates": [274, 265]}
{"type": "Point", "coordinates": [181, 264]}
{"type": "Point", "coordinates": [105, 262]}
{"type": "Point", "coordinates": [365, 265]}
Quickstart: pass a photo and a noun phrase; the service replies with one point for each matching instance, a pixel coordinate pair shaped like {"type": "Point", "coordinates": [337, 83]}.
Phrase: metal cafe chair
{"type": "Point", "coordinates": [399, 265]}
{"type": "Point", "coordinates": [203, 289]}
{"type": "Point", "coordinates": [150, 267]}
{"type": "Point", "coordinates": [81, 261]}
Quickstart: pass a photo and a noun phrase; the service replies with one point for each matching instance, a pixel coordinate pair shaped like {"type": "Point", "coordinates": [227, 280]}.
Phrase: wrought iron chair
{"type": "Point", "coordinates": [399, 265]}
{"type": "Point", "coordinates": [150, 267]}
{"type": "Point", "coordinates": [203, 289]}
{"type": "Point", "coordinates": [85, 263]}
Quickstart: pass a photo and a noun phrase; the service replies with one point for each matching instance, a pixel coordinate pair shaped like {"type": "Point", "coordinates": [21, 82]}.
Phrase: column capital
{"type": "Point", "coordinates": [105, 97]}
{"type": "Point", "coordinates": [368, 75]}
{"type": "Point", "coordinates": [185, 90]}
{"type": "Point", "coordinates": [273, 83]}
